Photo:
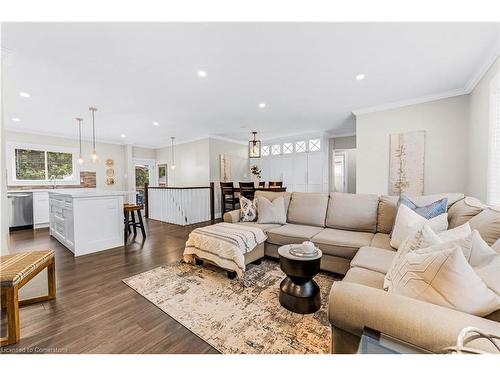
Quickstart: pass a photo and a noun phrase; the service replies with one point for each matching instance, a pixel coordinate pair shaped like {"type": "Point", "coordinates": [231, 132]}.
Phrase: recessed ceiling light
{"type": "Point", "coordinates": [262, 105]}
{"type": "Point", "coordinates": [360, 77]}
{"type": "Point", "coordinates": [15, 119]}
{"type": "Point", "coordinates": [202, 73]}
{"type": "Point", "coordinates": [123, 136]}
{"type": "Point", "coordinates": [24, 95]}
{"type": "Point", "coordinates": [156, 123]}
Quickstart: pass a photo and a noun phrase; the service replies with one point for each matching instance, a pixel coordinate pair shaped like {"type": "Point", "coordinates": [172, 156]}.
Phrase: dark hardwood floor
{"type": "Point", "coordinates": [95, 312]}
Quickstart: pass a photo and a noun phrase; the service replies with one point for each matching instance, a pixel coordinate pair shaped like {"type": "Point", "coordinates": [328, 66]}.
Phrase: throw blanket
{"type": "Point", "coordinates": [224, 244]}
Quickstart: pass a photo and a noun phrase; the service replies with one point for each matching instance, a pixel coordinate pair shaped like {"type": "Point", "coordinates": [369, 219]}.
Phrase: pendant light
{"type": "Point", "coordinates": [254, 147]}
{"type": "Point", "coordinates": [80, 156]}
{"type": "Point", "coordinates": [94, 154]}
{"type": "Point", "coordinates": [173, 161]}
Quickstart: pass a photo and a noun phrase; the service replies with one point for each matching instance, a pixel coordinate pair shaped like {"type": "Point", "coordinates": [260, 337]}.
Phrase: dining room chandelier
{"type": "Point", "coordinates": [254, 147]}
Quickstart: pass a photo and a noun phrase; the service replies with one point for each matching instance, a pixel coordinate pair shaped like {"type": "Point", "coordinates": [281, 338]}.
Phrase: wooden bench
{"type": "Point", "coordinates": [15, 271]}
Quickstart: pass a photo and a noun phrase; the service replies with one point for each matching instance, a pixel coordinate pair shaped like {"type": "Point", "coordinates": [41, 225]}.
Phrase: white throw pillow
{"type": "Point", "coordinates": [444, 278]}
{"type": "Point", "coordinates": [271, 212]}
{"type": "Point", "coordinates": [248, 209]}
{"type": "Point", "coordinates": [424, 238]}
{"type": "Point", "coordinates": [408, 221]}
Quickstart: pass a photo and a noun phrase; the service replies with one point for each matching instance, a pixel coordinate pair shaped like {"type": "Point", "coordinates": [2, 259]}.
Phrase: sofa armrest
{"type": "Point", "coordinates": [353, 307]}
{"type": "Point", "coordinates": [232, 216]}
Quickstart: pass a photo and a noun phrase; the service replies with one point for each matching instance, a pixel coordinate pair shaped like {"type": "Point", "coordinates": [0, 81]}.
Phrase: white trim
{"type": "Point", "coordinates": [494, 91]}
{"type": "Point", "coordinates": [482, 70]}
{"type": "Point", "coordinates": [11, 163]}
{"type": "Point", "coordinates": [467, 89]}
{"type": "Point", "coordinates": [407, 102]}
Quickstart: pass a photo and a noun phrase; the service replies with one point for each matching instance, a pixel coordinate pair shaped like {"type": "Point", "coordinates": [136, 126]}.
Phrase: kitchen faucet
{"type": "Point", "coordinates": [53, 180]}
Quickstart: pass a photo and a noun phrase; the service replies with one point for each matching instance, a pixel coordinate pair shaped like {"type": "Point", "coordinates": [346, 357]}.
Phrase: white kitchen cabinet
{"type": "Point", "coordinates": [41, 214]}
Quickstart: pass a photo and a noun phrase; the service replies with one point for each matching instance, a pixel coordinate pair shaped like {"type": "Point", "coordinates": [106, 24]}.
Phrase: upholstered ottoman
{"type": "Point", "coordinates": [229, 246]}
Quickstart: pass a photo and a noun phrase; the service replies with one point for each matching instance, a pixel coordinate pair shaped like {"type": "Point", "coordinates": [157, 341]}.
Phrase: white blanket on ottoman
{"type": "Point", "coordinates": [224, 244]}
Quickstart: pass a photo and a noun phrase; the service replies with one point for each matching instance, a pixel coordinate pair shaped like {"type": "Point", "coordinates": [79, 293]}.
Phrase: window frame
{"type": "Point", "coordinates": [493, 197]}
{"type": "Point", "coordinates": [11, 163]}
{"type": "Point", "coordinates": [311, 142]}
{"type": "Point", "coordinates": [268, 151]}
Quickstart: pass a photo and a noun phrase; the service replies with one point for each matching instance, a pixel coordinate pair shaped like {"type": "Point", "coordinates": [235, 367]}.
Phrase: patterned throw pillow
{"type": "Point", "coordinates": [248, 209]}
{"type": "Point", "coordinates": [432, 210]}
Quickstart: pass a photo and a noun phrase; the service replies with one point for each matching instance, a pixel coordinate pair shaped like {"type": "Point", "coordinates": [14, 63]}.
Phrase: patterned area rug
{"type": "Point", "coordinates": [234, 318]}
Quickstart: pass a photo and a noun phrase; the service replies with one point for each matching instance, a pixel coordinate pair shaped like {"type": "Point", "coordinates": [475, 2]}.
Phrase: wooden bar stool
{"type": "Point", "coordinates": [129, 211]}
{"type": "Point", "coordinates": [15, 271]}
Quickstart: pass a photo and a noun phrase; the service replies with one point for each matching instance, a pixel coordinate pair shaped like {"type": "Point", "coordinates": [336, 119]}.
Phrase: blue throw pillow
{"type": "Point", "coordinates": [432, 210]}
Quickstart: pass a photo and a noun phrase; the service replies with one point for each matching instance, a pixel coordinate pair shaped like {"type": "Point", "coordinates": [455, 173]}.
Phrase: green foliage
{"type": "Point", "coordinates": [60, 165]}
{"type": "Point", "coordinates": [141, 176]}
{"type": "Point", "coordinates": [30, 165]}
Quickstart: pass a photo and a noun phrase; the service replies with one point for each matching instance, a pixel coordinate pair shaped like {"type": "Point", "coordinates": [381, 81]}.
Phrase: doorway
{"type": "Point", "coordinates": [344, 171]}
{"type": "Point", "coordinates": [145, 172]}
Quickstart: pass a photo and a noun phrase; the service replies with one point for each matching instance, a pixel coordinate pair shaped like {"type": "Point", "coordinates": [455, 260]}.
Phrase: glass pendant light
{"type": "Point", "coordinates": [94, 154]}
{"type": "Point", "coordinates": [80, 156]}
{"type": "Point", "coordinates": [173, 162]}
{"type": "Point", "coordinates": [254, 147]}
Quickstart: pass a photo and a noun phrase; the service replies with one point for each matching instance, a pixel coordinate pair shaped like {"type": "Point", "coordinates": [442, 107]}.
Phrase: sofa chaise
{"type": "Point", "coordinates": [353, 232]}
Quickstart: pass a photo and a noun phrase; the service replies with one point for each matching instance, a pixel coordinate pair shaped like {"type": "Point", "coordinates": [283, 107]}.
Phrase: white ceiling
{"type": "Point", "coordinates": [138, 73]}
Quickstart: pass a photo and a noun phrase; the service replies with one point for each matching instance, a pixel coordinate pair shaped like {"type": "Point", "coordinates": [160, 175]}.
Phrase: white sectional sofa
{"type": "Point", "coordinates": [353, 232]}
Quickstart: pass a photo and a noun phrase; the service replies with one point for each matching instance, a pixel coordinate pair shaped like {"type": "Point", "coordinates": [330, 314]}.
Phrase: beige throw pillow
{"type": "Point", "coordinates": [271, 212]}
{"type": "Point", "coordinates": [444, 278]}
{"type": "Point", "coordinates": [488, 224]}
{"type": "Point", "coordinates": [408, 221]}
{"type": "Point", "coordinates": [424, 238]}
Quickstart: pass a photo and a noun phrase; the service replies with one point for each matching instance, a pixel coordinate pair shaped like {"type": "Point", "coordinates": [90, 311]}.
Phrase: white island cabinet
{"type": "Point", "coordinates": [87, 220]}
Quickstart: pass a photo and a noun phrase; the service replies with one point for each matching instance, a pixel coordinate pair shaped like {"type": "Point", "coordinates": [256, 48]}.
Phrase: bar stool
{"type": "Point", "coordinates": [129, 211]}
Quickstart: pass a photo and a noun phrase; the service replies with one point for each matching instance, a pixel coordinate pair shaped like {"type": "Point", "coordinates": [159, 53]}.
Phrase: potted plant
{"type": "Point", "coordinates": [256, 173]}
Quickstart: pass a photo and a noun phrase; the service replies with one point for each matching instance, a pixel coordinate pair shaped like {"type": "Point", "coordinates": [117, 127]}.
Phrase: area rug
{"type": "Point", "coordinates": [236, 316]}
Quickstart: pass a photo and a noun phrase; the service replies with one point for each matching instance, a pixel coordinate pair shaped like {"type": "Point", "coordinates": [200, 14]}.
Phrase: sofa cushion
{"type": "Point", "coordinates": [308, 209]}
{"type": "Point", "coordinates": [292, 233]}
{"type": "Point", "coordinates": [373, 259]}
{"type": "Point", "coordinates": [464, 210]}
{"type": "Point", "coordinates": [382, 241]}
{"type": "Point", "coordinates": [264, 227]}
{"type": "Point", "coordinates": [352, 212]}
{"type": "Point", "coordinates": [270, 212]}
{"type": "Point", "coordinates": [365, 277]}
{"type": "Point", "coordinates": [487, 223]}
{"type": "Point", "coordinates": [272, 195]}
{"type": "Point", "coordinates": [387, 207]}
{"type": "Point", "coordinates": [342, 243]}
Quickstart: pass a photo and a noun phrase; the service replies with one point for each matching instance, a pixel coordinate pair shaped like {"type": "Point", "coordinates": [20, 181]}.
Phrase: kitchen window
{"type": "Point", "coordinates": [40, 165]}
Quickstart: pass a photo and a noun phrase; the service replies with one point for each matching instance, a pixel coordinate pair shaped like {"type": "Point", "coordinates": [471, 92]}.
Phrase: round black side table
{"type": "Point", "coordinates": [299, 293]}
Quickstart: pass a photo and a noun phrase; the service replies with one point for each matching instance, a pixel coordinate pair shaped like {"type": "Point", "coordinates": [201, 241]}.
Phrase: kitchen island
{"type": "Point", "coordinates": [87, 220]}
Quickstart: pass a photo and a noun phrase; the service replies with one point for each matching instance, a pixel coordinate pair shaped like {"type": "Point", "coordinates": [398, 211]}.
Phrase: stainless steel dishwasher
{"type": "Point", "coordinates": [20, 210]}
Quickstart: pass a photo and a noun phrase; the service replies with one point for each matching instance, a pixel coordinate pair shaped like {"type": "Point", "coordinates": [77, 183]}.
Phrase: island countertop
{"type": "Point", "coordinates": [88, 193]}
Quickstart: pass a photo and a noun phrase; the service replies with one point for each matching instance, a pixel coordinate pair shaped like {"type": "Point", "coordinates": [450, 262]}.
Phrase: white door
{"type": "Point", "coordinates": [315, 171]}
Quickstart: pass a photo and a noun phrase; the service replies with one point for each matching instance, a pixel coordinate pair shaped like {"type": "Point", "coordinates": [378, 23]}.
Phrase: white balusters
{"type": "Point", "coordinates": [179, 206]}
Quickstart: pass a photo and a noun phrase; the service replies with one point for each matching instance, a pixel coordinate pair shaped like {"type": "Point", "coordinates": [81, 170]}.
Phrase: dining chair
{"type": "Point", "coordinates": [228, 199]}
{"type": "Point", "coordinates": [247, 189]}
{"type": "Point", "coordinates": [275, 184]}
{"type": "Point", "coordinates": [262, 184]}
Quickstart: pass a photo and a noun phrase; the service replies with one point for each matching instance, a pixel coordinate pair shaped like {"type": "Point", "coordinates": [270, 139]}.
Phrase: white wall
{"type": "Point", "coordinates": [478, 129]}
{"type": "Point", "coordinates": [104, 151]}
{"type": "Point", "coordinates": [144, 153]}
{"type": "Point", "coordinates": [298, 171]}
{"type": "Point", "coordinates": [238, 155]}
{"type": "Point", "coordinates": [192, 163]}
{"type": "Point", "coordinates": [446, 124]}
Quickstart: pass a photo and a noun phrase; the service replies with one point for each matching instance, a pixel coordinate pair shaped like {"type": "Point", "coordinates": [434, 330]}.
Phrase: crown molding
{"type": "Point", "coordinates": [482, 70]}
{"type": "Point", "coordinates": [467, 89]}
{"type": "Point", "coordinates": [226, 139]}
{"type": "Point", "coordinates": [407, 102]}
